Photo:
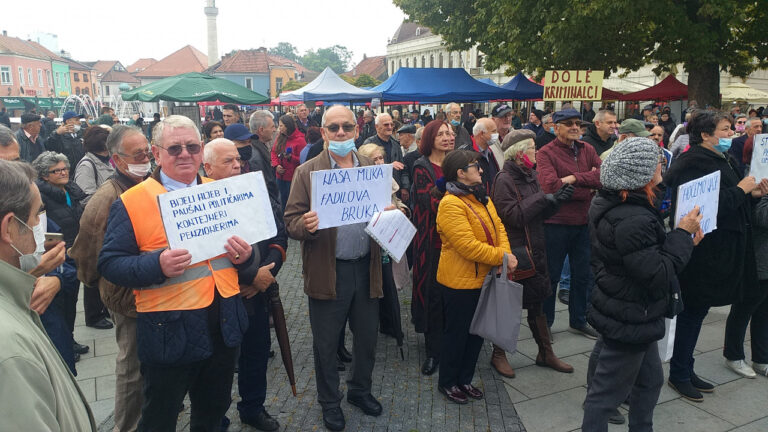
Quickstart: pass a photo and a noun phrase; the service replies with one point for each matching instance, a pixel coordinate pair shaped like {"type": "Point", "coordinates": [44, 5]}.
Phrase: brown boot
{"type": "Point", "coordinates": [500, 363]}
{"type": "Point", "coordinates": [546, 357]}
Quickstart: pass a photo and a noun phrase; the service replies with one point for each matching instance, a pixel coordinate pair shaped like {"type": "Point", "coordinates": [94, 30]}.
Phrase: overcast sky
{"type": "Point", "coordinates": [96, 30]}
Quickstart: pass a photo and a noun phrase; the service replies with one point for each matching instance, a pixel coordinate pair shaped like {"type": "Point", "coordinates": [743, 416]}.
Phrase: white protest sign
{"type": "Point", "coordinates": [703, 192]}
{"type": "Point", "coordinates": [201, 218]}
{"type": "Point", "coordinates": [393, 231]}
{"type": "Point", "coordinates": [759, 164]}
{"type": "Point", "coordinates": [350, 195]}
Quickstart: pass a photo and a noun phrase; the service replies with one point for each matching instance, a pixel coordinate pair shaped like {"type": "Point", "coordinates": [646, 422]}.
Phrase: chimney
{"type": "Point", "coordinates": [211, 11]}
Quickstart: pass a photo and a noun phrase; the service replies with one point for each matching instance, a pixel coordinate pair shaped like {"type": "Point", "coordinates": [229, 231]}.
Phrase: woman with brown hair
{"type": "Point", "coordinates": [286, 153]}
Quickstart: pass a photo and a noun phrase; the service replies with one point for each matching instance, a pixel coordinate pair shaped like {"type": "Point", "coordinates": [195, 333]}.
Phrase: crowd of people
{"type": "Point", "coordinates": [573, 197]}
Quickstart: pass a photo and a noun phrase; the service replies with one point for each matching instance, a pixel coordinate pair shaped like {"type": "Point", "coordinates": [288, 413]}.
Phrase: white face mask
{"type": "Point", "coordinates": [494, 137]}
{"type": "Point", "coordinates": [139, 170]}
{"type": "Point", "coordinates": [76, 128]}
{"type": "Point", "coordinates": [27, 262]}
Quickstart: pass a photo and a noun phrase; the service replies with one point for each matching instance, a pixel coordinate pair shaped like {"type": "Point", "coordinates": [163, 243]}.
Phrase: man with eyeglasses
{"type": "Point", "coordinates": [569, 160]}
{"type": "Point", "coordinates": [189, 317]}
{"type": "Point", "coordinates": [129, 149]}
{"type": "Point", "coordinates": [752, 126]}
{"type": "Point", "coordinates": [342, 276]}
{"type": "Point", "coordinates": [453, 116]}
{"type": "Point", "coordinates": [393, 153]}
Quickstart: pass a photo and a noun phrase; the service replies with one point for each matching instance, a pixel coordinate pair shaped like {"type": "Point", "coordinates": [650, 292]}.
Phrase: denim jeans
{"type": "Point", "coordinates": [571, 241]}
{"type": "Point", "coordinates": [565, 276]}
{"type": "Point", "coordinates": [58, 330]}
{"type": "Point", "coordinates": [284, 186]}
{"type": "Point", "coordinates": [254, 354]}
{"type": "Point", "coordinates": [686, 334]}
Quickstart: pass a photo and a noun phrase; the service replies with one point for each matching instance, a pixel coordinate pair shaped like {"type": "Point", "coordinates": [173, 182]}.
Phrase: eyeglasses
{"type": "Point", "coordinates": [476, 165]}
{"type": "Point", "coordinates": [347, 127]}
{"type": "Point", "coordinates": [741, 122]}
{"type": "Point", "coordinates": [137, 156]}
{"type": "Point", "coordinates": [58, 171]}
{"type": "Point", "coordinates": [570, 123]}
{"type": "Point", "coordinates": [176, 150]}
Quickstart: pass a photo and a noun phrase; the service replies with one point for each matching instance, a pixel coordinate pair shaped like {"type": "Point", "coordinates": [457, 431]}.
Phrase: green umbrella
{"type": "Point", "coordinates": [194, 87]}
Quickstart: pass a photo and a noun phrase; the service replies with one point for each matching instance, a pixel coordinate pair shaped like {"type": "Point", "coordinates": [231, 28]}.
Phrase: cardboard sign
{"type": "Point", "coordinates": [703, 192]}
{"type": "Point", "coordinates": [759, 165]}
{"type": "Point", "coordinates": [350, 195]}
{"type": "Point", "coordinates": [573, 85]}
{"type": "Point", "coordinates": [201, 218]}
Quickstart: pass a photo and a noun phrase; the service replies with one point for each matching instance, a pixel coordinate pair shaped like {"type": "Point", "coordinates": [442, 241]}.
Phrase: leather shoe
{"type": "Point", "coordinates": [102, 324]}
{"type": "Point", "coordinates": [77, 357]}
{"type": "Point", "coordinates": [80, 349]}
{"type": "Point", "coordinates": [564, 296]}
{"type": "Point", "coordinates": [454, 394]}
{"type": "Point", "coordinates": [333, 418]}
{"type": "Point", "coordinates": [261, 421]}
{"type": "Point", "coordinates": [429, 366]}
{"type": "Point", "coordinates": [367, 403]}
{"type": "Point", "coordinates": [471, 391]}
{"type": "Point", "coordinates": [344, 355]}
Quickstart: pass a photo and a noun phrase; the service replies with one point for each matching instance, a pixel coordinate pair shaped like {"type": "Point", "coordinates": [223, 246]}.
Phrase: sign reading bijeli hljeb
{"type": "Point", "coordinates": [566, 85]}
{"type": "Point", "coordinates": [350, 195]}
{"type": "Point", "coordinates": [703, 192]}
{"type": "Point", "coordinates": [759, 165]}
{"type": "Point", "coordinates": [201, 218]}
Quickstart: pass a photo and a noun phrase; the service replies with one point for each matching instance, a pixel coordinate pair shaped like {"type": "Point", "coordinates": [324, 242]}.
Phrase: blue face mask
{"type": "Point", "coordinates": [455, 122]}
{"type": "Point", "coordinates": [723, 144]}
{"type": "Point", "coordinates": [341, 148]}
{"type": "Point", "coordinates": [552, 130]}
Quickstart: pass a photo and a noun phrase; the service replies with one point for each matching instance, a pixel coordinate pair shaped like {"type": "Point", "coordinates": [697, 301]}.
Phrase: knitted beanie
{"type": "Point", "coordinates": [630, 165]}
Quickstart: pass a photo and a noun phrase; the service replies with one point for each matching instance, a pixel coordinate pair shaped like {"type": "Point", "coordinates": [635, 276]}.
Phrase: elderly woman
{"type": "Point", "coordinates": [473, 241]}
{"type": "Point", "coordinates": [94, 168]}
{"type": "Point", "coordinates": [523, 207]}
{"type": "Point", "coordinates": [722, 269]}
{"type": "Point", "coordinates": [636, 263]}
{"type": "Point", "coordinates": [427, 305]}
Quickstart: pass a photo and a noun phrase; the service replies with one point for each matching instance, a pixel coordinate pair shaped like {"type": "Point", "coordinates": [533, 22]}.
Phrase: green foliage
{"type": "Point", "coordinates": [292, 85]}
{"type": "Point", "coordinates": [336, 57]}
{"type": "Point", "coordinates": [287, 50]}
{"type": "Point", "coordinates": [366, 80]}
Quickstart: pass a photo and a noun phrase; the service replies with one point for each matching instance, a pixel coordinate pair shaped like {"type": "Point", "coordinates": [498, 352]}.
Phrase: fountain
{"type": "Point", "coordinates": [81, 104]}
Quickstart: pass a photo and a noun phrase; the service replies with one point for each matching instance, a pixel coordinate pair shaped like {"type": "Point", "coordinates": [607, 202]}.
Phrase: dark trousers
{"type": "Point", "coordinates": [284, 187]}
{"type": "Point", "coordinates": [736, 328]}
{"type": "Point", "coordinates": [327, 317]}
{"type": "Point", "coordinates": [254, 354]}
{"type": "Point", "coordinates": [433, 337]}
{"type": "Point", "coordinates": [95, 310]}
{"type": "Point", "coordinates": [686, 334]}
{"type": "Point", "coordinates": [58, 330]}
{"type": "Point", "coordinates": [461, 349]}
{"type": "Point", "coordinates": [621, 373]}
{"type": "Point", "coordinates": [209, 383]}
{"type": "Point", "coordinates": [571, 241]}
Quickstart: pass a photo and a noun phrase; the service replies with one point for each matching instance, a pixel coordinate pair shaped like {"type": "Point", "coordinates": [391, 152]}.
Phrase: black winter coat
{"type": "Point", "coordinates": [593, 138]}
{"type": "Point", "coordinates": [529, 211]}
{"type": "Point", "coordinates": [56, 208]}
{"type": "Point", "coordinates": [635, 263]}
{"type": "Point", "coordinates": [68, 145]}
{"type": "Point", "coordinates": [722, 269]}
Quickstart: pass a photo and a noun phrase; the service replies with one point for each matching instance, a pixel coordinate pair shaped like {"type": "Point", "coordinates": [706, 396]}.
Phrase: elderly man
{"type": "Point", "coordinates": [231, 114]}
{"type": "Point", "coordinates": [753, 127]}
{"type": "Point", "coordinates": [488, 145]}
{"type": "Point", "coordinates": [222, 160]}
{"type": "Point", "coordinates": [407, 136]}
{"type": "Point", "coordinates": [262, 124]}
{"type": "Point", "coordinates": [392, 153]}
{"type": "Point", "coordinates": [415, 119]}
{"type": "Point", "coordinates": [548, 135]}
{"type": "Point", "coordinates": [342, 277]}
{"type": "Point", "coordinates": [502, 116]}
{"type": "Point", "coordinates": [656, 134]}
{"type": "Point", "coordinates": [39, 392]}
{"type": "Point", "coordinates": [588, 114]}
{"type": "Point", "coordinates": [453, 116]}
{"type": "Point", "coordinates": [534, 122]}
{"type": "Point", "coordinates": [9, 147]}
{"type": "Point", "coordinates": [629, 128]}
{"type": "Point", "coordinates": [129, 150]}
{"type": "Point", "coordinates": [303, 121]}
{"type": "Point", "coordinates": [601, 134]}
{"type": "Point", "coordinates": [368, 129]}
{"type": "Point", "coordinates": [568, 160]}
{"type": "Point", "coordinates": [28, 137]}
{"type": "Point", "coordinates": [67, 139]}
{"type": "Point", "coordinates": [190, 317]}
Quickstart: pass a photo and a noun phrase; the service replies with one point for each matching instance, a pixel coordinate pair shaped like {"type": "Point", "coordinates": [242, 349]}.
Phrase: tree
{"type": "Point", "coordinates": [292, 85]}
{"type": "Point", "coordinates": [366, 80]}
{"type": "Point", "coordinates": [705, 36]}
{"type": "Point", "coordinates": [286, 50]}
{"type": "Point", "coordinates": [336, 57]}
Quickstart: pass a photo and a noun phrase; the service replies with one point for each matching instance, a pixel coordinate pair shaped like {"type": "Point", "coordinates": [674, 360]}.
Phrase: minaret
{"type": "Point", "coordinates": [211, 11]}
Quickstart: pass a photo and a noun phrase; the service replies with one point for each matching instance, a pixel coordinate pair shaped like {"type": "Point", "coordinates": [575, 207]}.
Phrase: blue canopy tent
{"type": "Point", "coordinates": [435, 85]}
{"type": "Point", "coordinates": [488, 81]}
{"type": "Point", "coordinates": [329, 87]}
{"type": "Point", "coordinates": [524, 88]}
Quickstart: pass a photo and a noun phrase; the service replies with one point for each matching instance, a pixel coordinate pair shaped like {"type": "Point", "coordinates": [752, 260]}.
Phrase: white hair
{"type": "Point", "coordinates": [260, 118]}
{"type": "Point", "coordinates": [600, 116]}
{"type": "Point", "coordinates": [173, 122]}
{"type": "Point", "coordinates": [378, 118]}
{"type": "Point", "coordinates": [209, 151]}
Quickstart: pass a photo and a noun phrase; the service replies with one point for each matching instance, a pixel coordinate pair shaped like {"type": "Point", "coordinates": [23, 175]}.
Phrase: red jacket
{"type": "Point", "coordinates": [557, 160]}
{"type": "Point", "coordinates": [289, 159]}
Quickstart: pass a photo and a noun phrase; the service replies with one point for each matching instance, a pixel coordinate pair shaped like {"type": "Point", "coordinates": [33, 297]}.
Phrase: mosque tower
{"type": "Point", "coordinates": [211, 11]}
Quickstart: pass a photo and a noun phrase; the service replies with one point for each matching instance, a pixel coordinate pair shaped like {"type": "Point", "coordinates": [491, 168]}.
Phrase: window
{"type": "Point", "coordinates": [440, 60]}
{"type": "Point", "coordinates": [415, 62]}
{"type": "Point", "coordinates": [431, 60]}
{"type": "Point", "coordinates": [48, 76]}
{"type": "Point", "coordinates": [58, 80]}
{"type": "Point", "coordinates": [6, 76]}
{"type": "Point", "coordinates": [106, 90]}
{"type": "Point", "coordinates": [40, 77]}
{"type": "Point", "coordinates": [30, 77]}
{"type": "Point", "coordinates": [249, 83]}
{"type": "Point", "coordinates": [85, 76]}
{"type": "Point", "coordinates": [77, 91]}
{"type": "Point", "coordinates": [21, 76]}
{"type": "Point", "coordinates": [479, 60]}
{"type": "Point", "coordinates": [450, 60]}
{"type": "Point", "coordinates": [278, 85]}
{"type": "Point", "coordinates": [77, 77]}
{"type": "Point", "coordinates": [423, 61]}
{"type": "Point", "coordinates": [85, 91]}
{"type": "Point", "coordinates": [407, 62]}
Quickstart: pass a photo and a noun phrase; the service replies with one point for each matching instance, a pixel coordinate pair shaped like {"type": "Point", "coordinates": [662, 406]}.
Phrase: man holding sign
{"type": "Point", "coordinates": [342, 274]}
{"type": "Point", "coordinates": [190, 317]}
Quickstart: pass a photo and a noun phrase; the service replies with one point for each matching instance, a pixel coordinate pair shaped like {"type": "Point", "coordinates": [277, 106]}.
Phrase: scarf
{"type": "Point", "coordinates": [460, 189]}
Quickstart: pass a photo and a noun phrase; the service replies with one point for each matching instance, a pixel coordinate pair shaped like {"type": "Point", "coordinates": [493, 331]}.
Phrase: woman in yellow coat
{"type": "Point", "coordinates": [474, 241]}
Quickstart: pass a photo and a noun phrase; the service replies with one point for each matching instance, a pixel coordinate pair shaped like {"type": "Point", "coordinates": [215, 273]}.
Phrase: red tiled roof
{"type": "Point", "coordinates": [76, 65]}
{"type": "Point", "coordinates": [140, 64]}
{"type": "Point", "coordinates": [102, 66]}
{"type": "Point", "coordinates": [46, 52]}
{"type": "Point", "coordinates": [244, 61]}
{"type": "Point", "coordinates": [13, 45]}
{"type": "Point", "coordinates": [276, 60]}
{"type": "Point", "coordinates": [373, 66]}
{"type": "Point", "coordinates": [186, 59]}
{"type": "Point", "coordinates": [107, 73]}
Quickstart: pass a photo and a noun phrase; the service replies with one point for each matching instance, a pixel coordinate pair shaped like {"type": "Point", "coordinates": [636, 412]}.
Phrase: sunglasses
{"type": "Point", "coordinates": [348, 127]}
{"type": "Point", "coordinates": [570, 123]}
{"type": "Point", "coordinates": [176, 150]}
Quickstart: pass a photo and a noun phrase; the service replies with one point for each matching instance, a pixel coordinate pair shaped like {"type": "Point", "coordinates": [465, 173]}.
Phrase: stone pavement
{"type": "Point", "coordinates": [538, 399]}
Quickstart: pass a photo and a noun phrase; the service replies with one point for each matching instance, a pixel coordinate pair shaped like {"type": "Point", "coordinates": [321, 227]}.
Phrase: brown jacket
{"type": "Point", "coordinates": [88, 243]}
{"type": "Point", "coordinates": [318, 249]}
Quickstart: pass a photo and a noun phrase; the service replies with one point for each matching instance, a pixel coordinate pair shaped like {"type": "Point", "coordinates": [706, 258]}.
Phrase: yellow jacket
{"type": "Point", "coordinates": [466, 256]}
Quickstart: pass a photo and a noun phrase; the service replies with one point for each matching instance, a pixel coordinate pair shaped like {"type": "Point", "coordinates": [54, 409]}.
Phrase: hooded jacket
{"type": "Point", "coordinates": [600, 145]}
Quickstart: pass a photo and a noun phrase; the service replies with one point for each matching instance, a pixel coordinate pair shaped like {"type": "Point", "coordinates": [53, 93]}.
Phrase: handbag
{"type": "Point", "coordinates": [499, 309]}
{"type": "Point", "coordinates": [525, 266]}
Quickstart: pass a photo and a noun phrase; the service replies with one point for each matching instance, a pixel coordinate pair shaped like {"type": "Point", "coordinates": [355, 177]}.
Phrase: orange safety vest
{"type": "Point", "coordinates": [194, 288]}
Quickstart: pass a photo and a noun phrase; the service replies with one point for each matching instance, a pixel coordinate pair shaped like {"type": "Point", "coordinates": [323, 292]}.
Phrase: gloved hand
{"type": "Point", "coordinates": [564, 193]}
{"type": "Point", "coordinates": [551, 200]}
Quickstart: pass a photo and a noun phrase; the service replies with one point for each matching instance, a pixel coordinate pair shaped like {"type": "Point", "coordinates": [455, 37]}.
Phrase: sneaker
{"type": "Point", "coordinates": [687, 390]}
{"type": "Point", "coordinates": [616, 418]}
{"type": "Point", "coordinates": [701, 385]}
{"type": "Point", "coordinates": [760, 368]}
{"type": "Point", "coordinates": [741, 368]}
{"type": "Point", "coordinates": [586, 330]}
